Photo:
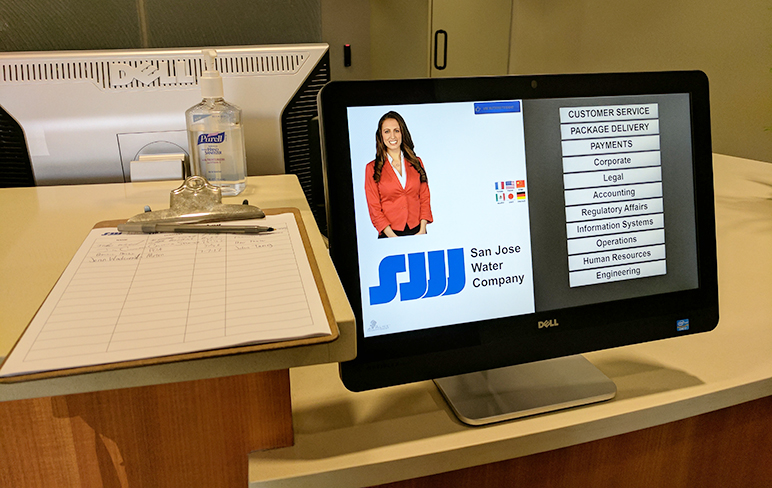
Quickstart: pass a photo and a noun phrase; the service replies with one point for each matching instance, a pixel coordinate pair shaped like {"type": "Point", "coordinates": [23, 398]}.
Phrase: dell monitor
{"type": "Point", "coordinates": [541, 217]}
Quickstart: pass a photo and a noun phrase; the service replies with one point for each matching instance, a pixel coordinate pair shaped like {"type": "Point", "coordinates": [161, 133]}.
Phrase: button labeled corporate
{"type": "Point", "coordinates": [441, 279]}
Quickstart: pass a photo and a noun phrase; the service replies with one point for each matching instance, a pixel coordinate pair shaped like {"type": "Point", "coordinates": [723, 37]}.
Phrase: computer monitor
{"type": "Point", "coordinates": [563, 214]}
{"type": "Point", "coordinates": [83, 116]}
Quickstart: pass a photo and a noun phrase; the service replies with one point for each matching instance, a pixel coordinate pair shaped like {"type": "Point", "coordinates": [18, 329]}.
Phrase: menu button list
{"type": "Point", "coordinates": [612, 179]}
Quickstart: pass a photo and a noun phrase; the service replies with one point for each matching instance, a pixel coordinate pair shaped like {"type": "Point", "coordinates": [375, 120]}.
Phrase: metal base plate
{"type": "Point", "coordinates": [526, 389]}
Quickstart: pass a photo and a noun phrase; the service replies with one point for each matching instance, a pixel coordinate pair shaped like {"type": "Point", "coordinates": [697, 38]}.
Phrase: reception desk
{"type": "Point", "coordinates": [184, 423]}
{"type": "Point", "coordinates": [691, 411]}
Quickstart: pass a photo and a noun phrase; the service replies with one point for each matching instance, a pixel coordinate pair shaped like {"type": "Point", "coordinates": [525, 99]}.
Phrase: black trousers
{"type": "Point", "coordinates": [407, 231]}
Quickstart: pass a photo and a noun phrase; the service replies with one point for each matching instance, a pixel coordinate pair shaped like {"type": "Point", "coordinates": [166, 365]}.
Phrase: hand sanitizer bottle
{"type": "Point", "coordinates": [214, 134]}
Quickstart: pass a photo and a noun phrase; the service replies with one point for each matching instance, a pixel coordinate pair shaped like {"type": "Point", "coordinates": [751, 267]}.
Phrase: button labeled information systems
{"type": "Point", "coordinates": [612, 183]}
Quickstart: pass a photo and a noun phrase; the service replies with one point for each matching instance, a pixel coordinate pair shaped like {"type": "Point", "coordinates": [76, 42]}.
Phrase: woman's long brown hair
{"type": "Point", "coordinates": [381, 155]}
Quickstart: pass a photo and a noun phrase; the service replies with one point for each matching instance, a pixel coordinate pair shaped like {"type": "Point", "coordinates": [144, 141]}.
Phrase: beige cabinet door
{"type": "Point", "coordinates": [416, 39]}
{"type": "Point", "coordinates": [399, 38]}
{"type": "Point", "coordinates": [470, 38]}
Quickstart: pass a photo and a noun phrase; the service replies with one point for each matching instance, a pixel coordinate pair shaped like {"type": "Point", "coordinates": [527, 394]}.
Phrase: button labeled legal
{"type": "Point", "coordinates": [607, 178]}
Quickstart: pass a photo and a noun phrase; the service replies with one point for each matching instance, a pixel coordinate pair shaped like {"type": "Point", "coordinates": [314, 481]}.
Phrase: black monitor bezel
{"type": "Point", "coordinates": [456, 349]}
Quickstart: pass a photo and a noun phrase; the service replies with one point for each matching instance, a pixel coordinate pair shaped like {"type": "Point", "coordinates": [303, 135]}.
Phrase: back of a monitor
{"type": "Point", "coordinates": [85, 115]}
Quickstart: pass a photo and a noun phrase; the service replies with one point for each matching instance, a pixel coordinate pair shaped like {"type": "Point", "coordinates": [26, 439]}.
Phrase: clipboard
{"type": "Point", "coordinates": [208, 353]}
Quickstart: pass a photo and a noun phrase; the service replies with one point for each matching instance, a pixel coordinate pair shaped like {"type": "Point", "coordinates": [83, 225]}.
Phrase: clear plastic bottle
{"type": "Point", "coordinates": [215, 136]}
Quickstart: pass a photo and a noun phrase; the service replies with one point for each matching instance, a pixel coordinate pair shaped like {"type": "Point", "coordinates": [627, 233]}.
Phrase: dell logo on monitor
{"type": "Point", "coordinates": [166, 72]}
{"type": "Point", "coordinates": [440, 281]}
{"type": "Point", "coordinates": [548, 323]}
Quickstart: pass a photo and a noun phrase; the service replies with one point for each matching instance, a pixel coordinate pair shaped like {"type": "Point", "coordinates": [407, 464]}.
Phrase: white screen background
{"type": "Point", "coordinates": [464, 156]}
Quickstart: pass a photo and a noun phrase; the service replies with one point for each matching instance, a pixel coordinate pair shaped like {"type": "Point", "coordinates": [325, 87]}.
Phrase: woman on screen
{"type": "Point", "coordinates": [395, 182]}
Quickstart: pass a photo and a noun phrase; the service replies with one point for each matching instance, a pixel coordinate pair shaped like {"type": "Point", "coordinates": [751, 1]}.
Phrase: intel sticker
{"type": "Point", "coordinates": [682, 325]}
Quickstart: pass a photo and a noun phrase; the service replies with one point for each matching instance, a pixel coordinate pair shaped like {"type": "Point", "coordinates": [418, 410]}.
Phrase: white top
{"type": "Point", "coordinates": [400, 176]}
{"type": "Point", "coordinates": [363, 439]}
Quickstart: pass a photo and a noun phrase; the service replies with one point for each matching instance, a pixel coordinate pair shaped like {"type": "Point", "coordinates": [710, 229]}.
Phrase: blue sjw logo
{"type": "Point", "coordinates": [439, 282]}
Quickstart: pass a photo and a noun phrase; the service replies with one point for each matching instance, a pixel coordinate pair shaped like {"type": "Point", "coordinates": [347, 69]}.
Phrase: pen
{"type": "Point", "coordinates": [194, 228]}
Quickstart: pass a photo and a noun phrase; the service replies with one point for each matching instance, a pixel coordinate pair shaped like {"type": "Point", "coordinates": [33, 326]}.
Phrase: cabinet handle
{"type": "Point", "coordinates": [444, 49]}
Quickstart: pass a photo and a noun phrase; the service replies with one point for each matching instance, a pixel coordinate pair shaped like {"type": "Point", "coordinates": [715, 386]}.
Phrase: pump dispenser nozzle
{"type": "Point", "coordinates": [210, 81]}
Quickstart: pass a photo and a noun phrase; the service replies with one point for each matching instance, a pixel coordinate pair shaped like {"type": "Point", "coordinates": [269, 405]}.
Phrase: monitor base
{"type": "Point", "coordinates": [525, 389]}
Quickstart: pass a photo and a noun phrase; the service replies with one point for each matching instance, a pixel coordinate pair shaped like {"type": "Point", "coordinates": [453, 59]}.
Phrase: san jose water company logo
{"type": "Point", "coordinates": [441, 280]}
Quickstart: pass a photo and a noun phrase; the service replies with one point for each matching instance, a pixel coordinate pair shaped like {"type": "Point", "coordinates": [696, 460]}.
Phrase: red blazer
{"type": "Point", "coordinates": [390, 204]}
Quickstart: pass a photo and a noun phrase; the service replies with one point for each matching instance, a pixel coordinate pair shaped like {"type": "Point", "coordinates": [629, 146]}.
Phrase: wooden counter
{"type": "Point", "coordinates": [346, 439]}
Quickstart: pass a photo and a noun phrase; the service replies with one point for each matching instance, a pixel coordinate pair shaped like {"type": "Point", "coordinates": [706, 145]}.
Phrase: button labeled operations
{"type": "Point", "coordinates": [615, 242]}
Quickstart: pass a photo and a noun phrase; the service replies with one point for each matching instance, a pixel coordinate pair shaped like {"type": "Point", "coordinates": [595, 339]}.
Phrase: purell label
{"type": "Point", "coordinates": [216, 138]}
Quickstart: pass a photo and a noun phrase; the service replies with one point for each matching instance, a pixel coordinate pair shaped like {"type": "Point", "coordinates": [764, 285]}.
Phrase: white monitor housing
{"type": "Point", "coordinates": [86, 115]}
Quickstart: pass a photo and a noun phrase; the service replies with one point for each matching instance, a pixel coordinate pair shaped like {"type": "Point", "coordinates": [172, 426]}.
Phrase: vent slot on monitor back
{"type": "Point", "coordinates": [53, 71]}
{"type": "Point", "coordinates": [149, 72]}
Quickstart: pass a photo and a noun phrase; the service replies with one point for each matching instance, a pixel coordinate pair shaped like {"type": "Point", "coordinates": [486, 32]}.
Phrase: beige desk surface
{"type": "Point", "coordinates": [44, 226]}
{"type": "Point", "coordinates": [360, 439]}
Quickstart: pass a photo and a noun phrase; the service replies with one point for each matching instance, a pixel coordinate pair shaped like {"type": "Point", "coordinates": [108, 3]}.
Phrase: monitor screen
{"type": "Point", "coordinates": [483, 222]}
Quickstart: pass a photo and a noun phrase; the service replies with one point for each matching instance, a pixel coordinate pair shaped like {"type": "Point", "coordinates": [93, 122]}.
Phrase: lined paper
{"type": "Point", "coordinates": [135, 296]}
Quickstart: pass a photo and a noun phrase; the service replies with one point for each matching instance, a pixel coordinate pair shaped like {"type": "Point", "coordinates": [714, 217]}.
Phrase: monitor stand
{"type": "Point", "coordinates": [525, 389]}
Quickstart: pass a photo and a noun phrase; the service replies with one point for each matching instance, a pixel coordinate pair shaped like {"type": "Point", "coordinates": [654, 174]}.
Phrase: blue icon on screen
{"type": "Point", "coordinates": [481, 108]}
{"type": "Point", "coordinates": [682, 325]}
